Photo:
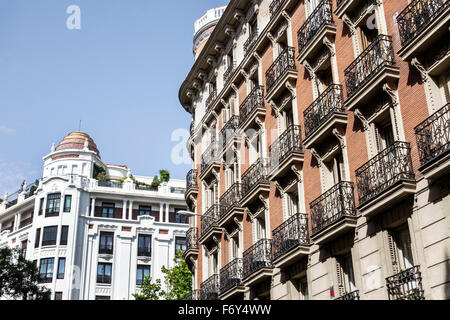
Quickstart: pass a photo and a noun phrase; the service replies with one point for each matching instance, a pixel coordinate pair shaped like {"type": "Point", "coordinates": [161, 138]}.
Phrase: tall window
{"type": "Point", "coordinates": [46, 270]}
{"type": "Point", "coordinates": [41, 206]}
{"type": "Point", "coordinates": [142, 273]}
{"type": "Point", "coordinates": [104, 273]}
{"type": "Point", "coordinates": [108, 210]}
{"type": "Point", "coordinates": [145, 211]}
{"type": "Point", "coordinates": [67, 203]}
{"type": "Point", "coordinates": [64, 235]}
{"type": "Point", "coordinates": [144, 245]}
{"type": "Point", "coordinates": [37, 239]}
{"type": "Point", "coordinates": [61, 268]}
{"type": "Point", "coordinates": [180, 244]}
{"type": "Point", "coordinates": [260, 228]}
{"type": "Point", "coordinates": [235, 247]}
{"type": "Point", "coordinates": [400, 246]}
{"type": "Point", "coordinates": [49, 236]}
{"type": "Point", "coordinates": [106, 243]}
{"type": "Point", "coordinates": [346, 278]}
{"type": "Point", "coordinates": [53, 204]}
{"type": "Point", "coordinates": [179, 218]}
{"type": "Point", "coordinates": [23, 248]}
{"type": "Point", "coordinates": [303, 288]}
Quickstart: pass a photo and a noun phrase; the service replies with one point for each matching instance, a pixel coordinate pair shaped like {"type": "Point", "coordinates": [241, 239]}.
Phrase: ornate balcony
{"type": "Point", "coordinates": [210, 159]}
{"type": "Point", "coordinates": [323, 115]}
{"type": "Point", "coordinates": [231, 278]}
{"type": "Point", "coordinates": [229, 131]}
{"type": "Point", "coordinates": [290, 241]}
{"type": "Point", "coordinates": [257, 262]}
{"type": "Point", "coordinates": [433, 142]}
{"type": "Point", "coordinates": [227, 74]}
{"type": "Point", "coordinates": [248, 45]}
{"type": "Point", "coordinates": [370, 71]}
{"type": "Point", "coordinates": [276, 6]}
{"type": "Point", "coordinates": [285, 152]}
{"type": "Point", "coordinates": [191, 185]}
{"type": "Point", "coordinates": [282, 70]}
{"type": "Point", "coordinates": [209, 224]}
{"type": "Point", "coordinates": [319, 25]}
{"type": "Point", "coordinates": [26, 222]}
{"type": "Point", "coordinates": [209, 289]}
{"type": "Point", "coordinates": [406, 285]}
{"type": "Point", "coordinates": [255, 181]}
{"type": "Point", "coordinates": [333, 213]}
{"type": "Point", "coordinates": [421, 23]}
{"type": "Point", "coordinates": [230, 204]}
{"type": "Point", "coordinates": [191, 243]}
{"type": "Point", "coordinates": [193, 295]}
{"type": "Point", "coordinates": [354, 295]}
{"type": "Point", "coordinates": [210, 101]}
{"type": "Point", "coordinates": [252, 107]}
{"type": "Point", "coordinates": [385, 179]}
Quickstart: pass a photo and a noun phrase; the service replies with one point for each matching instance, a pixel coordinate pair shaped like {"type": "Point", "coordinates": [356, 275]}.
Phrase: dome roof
{"type": "Point", "coordinates": [76, 140]}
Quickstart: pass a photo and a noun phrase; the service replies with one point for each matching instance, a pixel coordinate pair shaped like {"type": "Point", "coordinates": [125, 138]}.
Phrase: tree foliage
{"type": "Point", "coordinates": [178, 282]}
{"type": "Point", "coordinates": [19, 277]}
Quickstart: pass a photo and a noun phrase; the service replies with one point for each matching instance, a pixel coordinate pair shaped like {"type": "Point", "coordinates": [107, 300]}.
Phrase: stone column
{"type": "Point", "coordinates": [167, 212]}
{"type": "Point", "coordinates": [92, 207]}
{"type": "Point", "coordinates": [124, 210]}
{"type": "Point", "coordinates": [161, 212]}
{"type": "Point", "coordinates": [130, 210]}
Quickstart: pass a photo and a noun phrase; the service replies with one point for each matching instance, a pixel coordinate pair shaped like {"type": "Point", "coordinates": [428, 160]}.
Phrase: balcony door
{"type": "Point", "coordinates": [260, 228]}
{"type": "Point", "coordinates": [292, 204]}
{"type": "Point", "coordinates": [345, 274]}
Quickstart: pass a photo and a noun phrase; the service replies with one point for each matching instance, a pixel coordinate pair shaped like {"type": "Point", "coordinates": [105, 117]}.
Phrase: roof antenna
{"type": "Point", "coordinates": [79, 127]}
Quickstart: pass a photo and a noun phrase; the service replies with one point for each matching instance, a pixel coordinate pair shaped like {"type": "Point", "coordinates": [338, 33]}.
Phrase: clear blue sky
{"type": "Point", "coordinates": [119, 74]}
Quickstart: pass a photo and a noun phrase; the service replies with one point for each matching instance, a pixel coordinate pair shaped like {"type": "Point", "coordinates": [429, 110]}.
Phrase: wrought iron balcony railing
{"type": "Point", "coordinates": [192, 239]}
{"type": "Point", "coordinates": [284, 63]}
{"type": "Point", "coordinates": [321, 16]}
{"type": "Point", "coordinates": [258, 173]}
{"type": "Point", "coordinates": [406, 285]}
{"type": "Point", "coordinates": [287, 143]}
{"type": "Point", "coordinates": [209, 289]}
{"type": "Point", "coordinates": [10, 229]}
{"type": "Point", "coordinates": [106, 250]}
{"type": "Point", "coordinates": [26, 222]}
{"type": "Point", "coordinates": [250, 41]}
{"type": "Point", "coordinates": [104, 279]}
{"type": "Point", "coordinates": [417, 16]}
{"type": "Point", "coordinates": [191, 179]}
{"type": "Point", "coordinates": [275, 6]}
{"type": "Point", "coordinates": [354, 295]}
{"type": "Point", "coordinates": [45, 279]}
{"type": "Point", "coordinates": [230, 199]}
{"type": "Point", "coordinates": [229, 130]}
{"type": "Point", "coordinates": [209, 103]}
{"type": "Point", "coordinates": [144, 252]}
{"type": "Point", "coordinates": [378, 55]}
{"type": "Point", "coordinates": [257, 257]}
{"type": "Point", "coordinates": [329, 102]}
{"type": "Point", "coordinates": [209, 219]}
{"type": "Point", "coordinates": [253, 101]}
{"type": "Point", "coordinates": [231, 275]}
{"type": "Point", "coordinates": [211, 155]}
{"type": "Point", "coordinates": [52, 212]}
{"type": "Point", "coordinates": [433, 136]}
{"type": "Point", "coordinates": [289, 235]}
{"type": "Point", "coordinates": [193, 295]}
{"type": "Point", "coordinates": [227, 74]}
{"type": "Point", "coordinates": [384, 170]}
{"type": "Point", "coordinates": [332, 206]}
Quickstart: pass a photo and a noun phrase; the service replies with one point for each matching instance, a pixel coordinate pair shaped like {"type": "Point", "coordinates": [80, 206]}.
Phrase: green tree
{"type": "Point", "coordinates": [178, 279]}
{"type": "Point", "coordinates": [164, 176]}
{"type": "Point", "coordinates": [19, 277]}
{"type": "Point", "coordinates": [149, 290]}
{"type": "Point", "coordinates": [178, 282]}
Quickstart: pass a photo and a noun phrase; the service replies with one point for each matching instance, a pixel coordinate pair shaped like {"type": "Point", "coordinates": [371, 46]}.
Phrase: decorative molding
{"type": "Point", "coordinates": [279, 188]}
{"type": "Point", "coordinates": [363, 119]}
{"type": "Point", "coordinates": [329, 45]}
{"type": "Point", "coordinates": [422, 70]}
{"type": "Point", "coordinates": [392, 94]}
{"type": "Point", "coordinates": [349, 23]}
{"type": "Point", "coordinates": [340, 137]}
{"type": "Point", "coordinates": [297, 173]}
{"type": "Point", "coordinates": [317, 156]}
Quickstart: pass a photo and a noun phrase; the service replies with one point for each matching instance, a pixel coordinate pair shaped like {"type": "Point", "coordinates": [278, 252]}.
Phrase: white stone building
{"type": "Point", "coordinates": [94, 239]}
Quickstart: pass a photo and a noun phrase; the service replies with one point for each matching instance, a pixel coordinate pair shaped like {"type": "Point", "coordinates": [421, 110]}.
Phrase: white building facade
{"type": "Point", "coordinates": [94, 239]}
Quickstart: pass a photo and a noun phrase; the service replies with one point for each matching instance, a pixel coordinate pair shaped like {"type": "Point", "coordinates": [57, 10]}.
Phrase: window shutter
{"type": "Point", "coordinates": [393, 254]}
{"type": "Point", "coordinates": [340, 278]}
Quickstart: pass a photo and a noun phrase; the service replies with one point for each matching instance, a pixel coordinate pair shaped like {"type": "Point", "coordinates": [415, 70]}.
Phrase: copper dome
{"type": "Point", "coordinates": [76, 140]}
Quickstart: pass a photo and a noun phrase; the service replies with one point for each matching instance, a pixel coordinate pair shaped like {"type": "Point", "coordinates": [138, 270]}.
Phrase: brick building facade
{"type": "Point", "coordinates": [320, 141]}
